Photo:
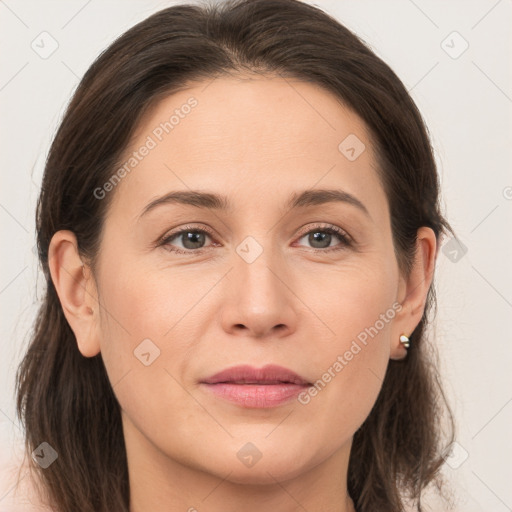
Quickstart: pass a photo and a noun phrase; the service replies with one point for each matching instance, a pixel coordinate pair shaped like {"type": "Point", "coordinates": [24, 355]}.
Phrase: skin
{"type": "Point", "coordinates": [256, 140]}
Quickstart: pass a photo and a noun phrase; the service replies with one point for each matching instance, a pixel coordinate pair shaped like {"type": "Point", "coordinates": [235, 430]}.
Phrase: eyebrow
{"type": "Point", "coordinates": [211, 201]}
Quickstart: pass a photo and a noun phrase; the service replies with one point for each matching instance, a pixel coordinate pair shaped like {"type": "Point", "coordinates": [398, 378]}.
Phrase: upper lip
{"type": "Point", "coordinates": [244, 374]}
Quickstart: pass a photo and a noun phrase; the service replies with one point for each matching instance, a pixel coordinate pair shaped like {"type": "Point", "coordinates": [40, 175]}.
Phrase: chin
{"type": "Point", "coordinates": [262, 475]}
{"type": "Point", "coordinates": [264, 468]}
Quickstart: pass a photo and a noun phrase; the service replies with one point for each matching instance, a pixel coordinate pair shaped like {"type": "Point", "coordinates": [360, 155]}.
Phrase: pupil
{"type": "Point", "coordinates": [320, 237]}
{"type": "Point", "coordinates": [192, 238]}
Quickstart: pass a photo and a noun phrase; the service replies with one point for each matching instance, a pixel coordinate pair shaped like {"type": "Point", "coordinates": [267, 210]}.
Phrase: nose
{"type": "Point", "coordinates": [259, 301]}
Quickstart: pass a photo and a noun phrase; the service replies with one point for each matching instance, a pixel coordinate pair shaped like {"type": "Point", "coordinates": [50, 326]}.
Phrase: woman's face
{"type": "Point", "coordinates": [260, 281]}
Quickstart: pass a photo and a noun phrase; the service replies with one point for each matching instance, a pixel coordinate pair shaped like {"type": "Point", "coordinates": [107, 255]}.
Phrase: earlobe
{"type": "Point", "coordinates": [414, 290]}
{"type": "Point", "coordinates": [76, 290]}
{"type": "Point", "coordinates": [399, 350]}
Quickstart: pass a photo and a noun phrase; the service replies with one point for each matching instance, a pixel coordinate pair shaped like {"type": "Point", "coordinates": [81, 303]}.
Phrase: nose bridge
{"type": "Point", "coordinates": [256, 267]}
{"type": "Point", "coordinates": [258, 298]}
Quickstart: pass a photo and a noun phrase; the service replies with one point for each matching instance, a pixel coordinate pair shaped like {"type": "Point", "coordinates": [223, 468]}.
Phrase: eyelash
{"type": "Point", "coordinates": [344, 238]}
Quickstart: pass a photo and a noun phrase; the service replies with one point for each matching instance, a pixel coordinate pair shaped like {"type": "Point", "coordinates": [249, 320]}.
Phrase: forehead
{"type": "Point", "coordinates": [249, 137]}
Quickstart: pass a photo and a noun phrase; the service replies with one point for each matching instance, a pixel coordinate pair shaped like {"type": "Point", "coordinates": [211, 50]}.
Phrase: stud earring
{"type": "Point", "coordinates": [404, 340]}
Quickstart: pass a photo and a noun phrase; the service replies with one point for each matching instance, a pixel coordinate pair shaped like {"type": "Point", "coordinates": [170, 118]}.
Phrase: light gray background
{"type": "Point", "coordinates": [467, 104]}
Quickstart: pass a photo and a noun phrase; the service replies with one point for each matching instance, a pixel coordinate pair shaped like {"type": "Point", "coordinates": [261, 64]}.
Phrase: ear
{"type": "Point", "coordinates": [412, 292]}
{"type": "Point", "coordinates": [76, 290]}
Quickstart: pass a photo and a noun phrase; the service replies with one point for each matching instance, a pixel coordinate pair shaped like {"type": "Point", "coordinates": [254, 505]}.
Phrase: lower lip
{"type": "Point", "coordinates": [256, 395]}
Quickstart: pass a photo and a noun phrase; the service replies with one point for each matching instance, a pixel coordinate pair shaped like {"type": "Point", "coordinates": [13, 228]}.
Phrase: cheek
{"type": "Point", "coordinates": [357, 312]}
{"type": "Point", "coordinates": [140, 317]}
{"type": "Point", "coordinates": [133, 318]}
{"type": "Point", "coordinates": [150, 320]}
{"type": "Point", "coordinates": [354, 302]}
{"type": "Point", "coordinates": [142, 302]}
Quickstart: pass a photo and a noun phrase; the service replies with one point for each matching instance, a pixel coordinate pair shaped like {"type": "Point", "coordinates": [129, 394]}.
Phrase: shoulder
{"type": "Point", "coordinates": [18, 487]}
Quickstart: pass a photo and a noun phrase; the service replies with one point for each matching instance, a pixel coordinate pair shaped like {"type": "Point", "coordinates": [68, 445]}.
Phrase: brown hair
{"type": "Point", "coordinates": [66, 399]}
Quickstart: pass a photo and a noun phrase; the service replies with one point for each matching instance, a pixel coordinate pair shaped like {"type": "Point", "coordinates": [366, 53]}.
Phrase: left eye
{"type": "Point", "coordinates": [321, 238]}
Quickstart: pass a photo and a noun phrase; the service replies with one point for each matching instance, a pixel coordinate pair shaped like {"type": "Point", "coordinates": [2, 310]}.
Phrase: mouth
{"type": "Point", "coordinates": [250, 387]}
{"type": "Point", "coordinates": [268, 375]}
{"type": "Point", "coordinates": [261, 382]}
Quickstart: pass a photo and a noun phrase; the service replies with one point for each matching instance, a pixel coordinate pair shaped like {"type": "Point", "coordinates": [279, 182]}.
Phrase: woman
{"type": "Point", "coordinates": [238, 224]}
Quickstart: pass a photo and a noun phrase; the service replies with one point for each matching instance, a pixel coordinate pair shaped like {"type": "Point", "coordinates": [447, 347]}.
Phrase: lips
{"type": "Point", "coordinates": [268, 375]}
{"type": "Point", "coordinates": [255, 388]}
